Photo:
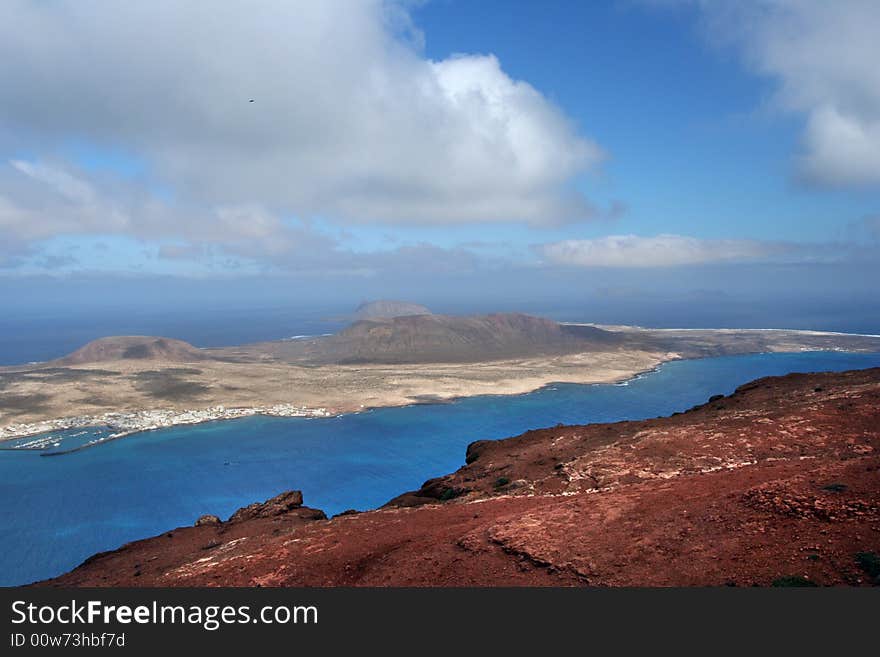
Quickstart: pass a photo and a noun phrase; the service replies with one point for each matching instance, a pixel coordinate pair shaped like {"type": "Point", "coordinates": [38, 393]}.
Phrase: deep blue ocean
{"type": "Point", "coordinates": [56, 511]}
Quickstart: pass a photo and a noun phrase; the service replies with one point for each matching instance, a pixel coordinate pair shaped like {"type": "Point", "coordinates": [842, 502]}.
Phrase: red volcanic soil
{"type": "Point", "coordinates": [779, 480]}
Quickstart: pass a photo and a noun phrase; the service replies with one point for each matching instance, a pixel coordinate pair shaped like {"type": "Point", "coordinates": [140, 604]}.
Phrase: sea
{"type": "Point", "coordinates": [57, 510]}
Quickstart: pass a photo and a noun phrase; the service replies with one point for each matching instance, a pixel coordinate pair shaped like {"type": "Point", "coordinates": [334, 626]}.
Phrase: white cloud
{"type": "Point", "coordinates": [349, 120]}
{"type": "Point", "coordinates": [39, 201]}
{"type": "Point", "coordinates": [842, 150]}
{"type": "Point", "coordinates": [824, 56]}
{"type": "Point", "coordinates": [69, 186]}
{"type": "Point", "coordinates": [660, 251]}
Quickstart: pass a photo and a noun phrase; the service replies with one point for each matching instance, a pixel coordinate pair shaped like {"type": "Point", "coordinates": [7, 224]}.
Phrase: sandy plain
{"type": "Point", "coordinates": [39, 394]}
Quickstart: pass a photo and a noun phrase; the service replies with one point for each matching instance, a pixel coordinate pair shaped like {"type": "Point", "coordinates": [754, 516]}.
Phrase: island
{"type": "Point", "coordinates": [137, 383]}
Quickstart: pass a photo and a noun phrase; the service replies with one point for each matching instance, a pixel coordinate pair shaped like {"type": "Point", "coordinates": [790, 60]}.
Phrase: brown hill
{"type": "Point", "coordinates": [428, 338]}
{"type": "Point", "coordinates": [446, 339]}
{"type": "Point", "coordinates": [777, 483]}
{"type": "Point", "coordinates": [133, 347]}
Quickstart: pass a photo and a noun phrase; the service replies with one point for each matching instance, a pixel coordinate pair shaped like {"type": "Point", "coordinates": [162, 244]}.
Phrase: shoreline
{"type": "Point", "coordinates": [154, 419]}
{"type": "Point", "coordinates": [127, 423]}
{"type": "Point", "coordinates": [221, 413]}
{"type": "Point", "coordinates": [635, 327]}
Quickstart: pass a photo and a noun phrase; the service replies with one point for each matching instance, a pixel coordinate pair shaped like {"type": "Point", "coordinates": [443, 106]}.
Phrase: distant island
{"type": "Point", "coordinates": [396, 354]}
{"type": "Point", "coordinates": [385, 308]}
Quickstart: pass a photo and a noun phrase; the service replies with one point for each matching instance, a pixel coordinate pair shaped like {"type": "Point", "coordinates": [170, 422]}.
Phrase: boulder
{"type": "Point", "coordinates": [275, 506]}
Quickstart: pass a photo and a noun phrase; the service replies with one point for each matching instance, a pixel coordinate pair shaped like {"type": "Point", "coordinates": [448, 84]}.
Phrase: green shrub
{"type": "Point", "coordinates": [501, 481]}
{"type": "Point", "coordinates": [870, 563]}
{"type": "Point", "coordinates": [793, 580]}
{"type": "Point", "coordinates": [835, 487]}
{"type": "Point", "coordinates": [451, 493]}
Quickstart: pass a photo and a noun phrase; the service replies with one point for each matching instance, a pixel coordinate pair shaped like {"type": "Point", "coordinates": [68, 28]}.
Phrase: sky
{"type": "Point", "coordinates": [498, 155]}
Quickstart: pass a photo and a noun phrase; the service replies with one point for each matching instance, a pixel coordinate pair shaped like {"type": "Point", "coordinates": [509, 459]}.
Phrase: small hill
{"type": "Point", "coordinates": [133, 347]}
{"type": "Point", "coordinates": [385, 308]}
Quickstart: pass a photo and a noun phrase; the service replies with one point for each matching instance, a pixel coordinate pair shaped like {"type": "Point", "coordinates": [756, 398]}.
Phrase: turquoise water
{"type": "Point", "coordinates": [56, 511]}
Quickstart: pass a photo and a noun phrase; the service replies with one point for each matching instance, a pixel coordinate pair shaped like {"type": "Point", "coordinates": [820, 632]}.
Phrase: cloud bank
{"type": "Point", "coordinates": [349, 120]}
{"type": "Point", "coordinates": [632, 251]}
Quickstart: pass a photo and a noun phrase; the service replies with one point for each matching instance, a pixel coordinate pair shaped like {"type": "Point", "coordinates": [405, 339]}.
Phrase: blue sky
{"type": "Point", "coordinates": [694, 149]}
{"type": "Point", "coordinates": [572, 144]}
